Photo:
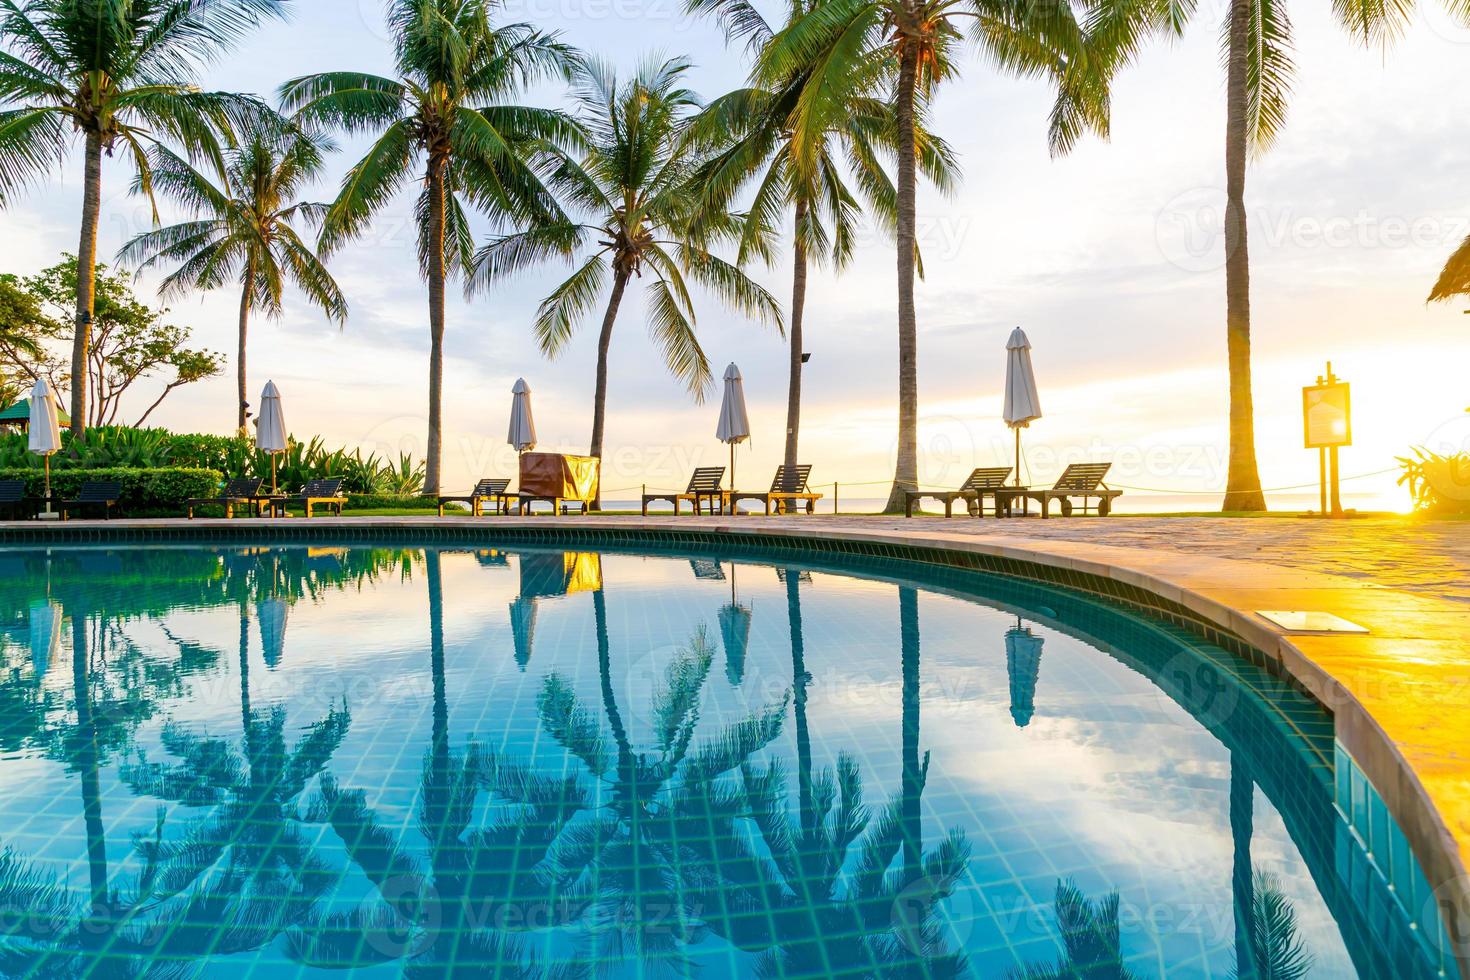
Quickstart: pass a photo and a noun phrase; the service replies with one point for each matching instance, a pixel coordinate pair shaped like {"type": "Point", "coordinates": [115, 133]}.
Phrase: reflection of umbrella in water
{"type": "Point", "coordinates": [523, 628]}
{"type": "Point", "coordinates": [45, 634]}
{"type": "Point", "coordinates": [271, 615]}
{"type": "Point", "coordinates": [1023, 666]}
{"type": "Point", "coordinates": [735, 631]}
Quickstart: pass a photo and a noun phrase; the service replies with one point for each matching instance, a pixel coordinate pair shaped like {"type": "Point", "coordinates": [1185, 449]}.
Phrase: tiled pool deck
{"type": "Point", "coordinates": [1400, 692]}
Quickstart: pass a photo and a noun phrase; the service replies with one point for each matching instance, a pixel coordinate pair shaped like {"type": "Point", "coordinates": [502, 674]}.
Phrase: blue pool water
{"type": "Point", "coordinates": [267, 762]}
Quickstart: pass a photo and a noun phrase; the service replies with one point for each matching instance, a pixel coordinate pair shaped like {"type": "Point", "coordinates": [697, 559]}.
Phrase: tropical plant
{"type": "Point", "coordinates": [1438, 482]}
{"type": "Point", "coordinates": [450, 111]}
{"type": "Point", "coordinates": [632, 191]}
{"type": "Point", "coordinates": [120, 75]}
{"type": "Point", "coordinates": [754, 129]}
{"type": "Point", "coordinates": [244, 234]}
{"type": "Point", "coordinates": [843, 45]}
{"type": "Point", "coordinates": [22, 323]}
{"type": "Point", "coordinates": [130, 342]}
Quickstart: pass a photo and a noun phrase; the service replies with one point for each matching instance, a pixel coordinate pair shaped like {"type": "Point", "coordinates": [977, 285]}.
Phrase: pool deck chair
{"type": "Point", "coordinates": [982, 482]}
{"type": "Point", "coordinates": [1080, 481]}
{"type": "Point", "coordinates": [788, 492]}
{"type": "Point", "coordinates": [316, 493]}
{"type": "Point", "coordinates": [102, 495]}
{"type": "Point", "coordinates": [491, 490]}
{"type": "Point", "coordinates": [241, 491]}
{"type": "Point", "coordinates": [13, 499]}
{"type": "Point", "coordinates": [704, 489]}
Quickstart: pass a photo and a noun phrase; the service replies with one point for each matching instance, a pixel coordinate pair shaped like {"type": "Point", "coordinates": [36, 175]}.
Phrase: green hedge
{"type": "Point", "coordinates": [143, 490]}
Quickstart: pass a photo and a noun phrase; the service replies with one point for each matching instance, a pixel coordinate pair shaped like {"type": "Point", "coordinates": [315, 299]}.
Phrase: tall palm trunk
{"type": "Point", "coordinates": [906, 471]}
{"type": "Point", "coordinates": [86, 281]}
{"type": "Point", "coordinates": [599, 398]}
{"type": "Point", "coordinates": [437, 165]}
{"type": "Point", "coordinates": [1242, 480]}
{"type": "Point", "coordinates": [798, 312]}
{"type": "Point", "coordinates": [247, 293]}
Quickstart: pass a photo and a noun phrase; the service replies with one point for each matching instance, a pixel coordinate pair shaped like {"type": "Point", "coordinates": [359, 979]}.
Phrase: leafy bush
{"type": "Point", "coordinates": [1439, 484]}
{"type": "Point", "coordinates": [111, 447]}
{"type": "Point", "coordinates": [161, 489]}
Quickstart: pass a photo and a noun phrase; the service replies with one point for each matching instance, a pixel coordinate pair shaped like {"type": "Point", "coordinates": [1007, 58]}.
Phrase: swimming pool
{"type": "Point", "coordinates": [479, 761]}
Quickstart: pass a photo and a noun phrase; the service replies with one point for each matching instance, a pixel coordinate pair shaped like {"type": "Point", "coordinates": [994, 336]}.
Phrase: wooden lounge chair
{"type": "Point", "coordinates": [244, 490]}
{"type": "Point", "coordinates": [1080, 481]}
{"type": "Point", "coordinates": [316, 493]}
{"type": "Point", "coordinates": [704, 487]}
{"type": "Point", "coordinates": [983, 481]}
{"type": "Point", "coordinates": [13, 499]}
{"type": "Point", "coordinates": [788, 492]}
{"type": "Point", "coordinates": [491, 490]}
{"type": "Point", "coordinates": [101, 495]}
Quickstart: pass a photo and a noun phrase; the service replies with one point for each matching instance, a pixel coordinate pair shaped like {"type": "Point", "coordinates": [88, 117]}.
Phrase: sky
{"type": "Point", "coordinates": [1110, 258]}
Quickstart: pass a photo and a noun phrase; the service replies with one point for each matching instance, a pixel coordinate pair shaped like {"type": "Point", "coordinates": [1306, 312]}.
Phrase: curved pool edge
{"type": "Point", "coordinates": [1397, 693]}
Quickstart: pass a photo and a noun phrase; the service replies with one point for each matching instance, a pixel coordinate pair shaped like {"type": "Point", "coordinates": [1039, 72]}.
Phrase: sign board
{"type": "Point", "coordinates": [1327, 415]}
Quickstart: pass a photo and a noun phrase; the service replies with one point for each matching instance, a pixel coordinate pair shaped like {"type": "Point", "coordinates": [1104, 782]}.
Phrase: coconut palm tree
{"type": "Point", "coordinates": [632, 191]}
{"type": "Point", "coordinates": [245, 233]}
{"type": "Point", "coordinates": [844, 44]}
{"type": "Point", "coordinates": [449, 118]}
{"type": "Point", "coordinates": [119, 75]}
{"type": "Point", "coordinates": [756, 126]}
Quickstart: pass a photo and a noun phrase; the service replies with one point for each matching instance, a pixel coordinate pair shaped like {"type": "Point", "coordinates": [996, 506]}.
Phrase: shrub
{"type": "Point", "coordinates": [1439, 484]}
{"type": "Point", "coordinates": [162, 489]}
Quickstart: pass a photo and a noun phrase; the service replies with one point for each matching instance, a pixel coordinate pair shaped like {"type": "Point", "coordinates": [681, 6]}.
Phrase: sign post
{"type": "Point", "coordinates": [1327, 421]}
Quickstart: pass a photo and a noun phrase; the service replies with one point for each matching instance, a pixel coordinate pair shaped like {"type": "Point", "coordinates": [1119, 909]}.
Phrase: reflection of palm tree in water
{"type": "Point", "coordinates": [877, 920]}
{"type": "Point", "coordinates": [1267, 944]}
{"type": "Point", "coordinates": [448, 916]}
{"type": "Point", "coordinates": [260, 876]}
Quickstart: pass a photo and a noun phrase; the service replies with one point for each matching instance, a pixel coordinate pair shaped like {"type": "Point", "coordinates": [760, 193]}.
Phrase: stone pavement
{"type": "Point", "coordinates": [1428, 557]}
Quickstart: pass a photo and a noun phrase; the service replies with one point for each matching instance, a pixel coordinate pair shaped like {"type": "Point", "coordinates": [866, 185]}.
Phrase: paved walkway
{"type": "Point", "coordinates": [1429, 557]}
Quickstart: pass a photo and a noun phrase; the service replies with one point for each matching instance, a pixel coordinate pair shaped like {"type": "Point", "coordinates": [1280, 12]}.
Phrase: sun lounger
{"type": "Point", "coordinates": [982, 482]}
{"type": "Point", "coordinates": [788, 492]}
{"type": "Point", "coordinates": [101, 496]}
{"type": "Point", "coordinates": [491, 490]}
{"type": "Point", "coordinates": [239, 491]}
{"type": "Point", "coordinates": [704, 488]}
{"type": "Point", "coordinates": [13, 499]}
{"type": "Point", "coordinates": [316, 493]}
{"type": "Point", "coordinates": [1080, 481]}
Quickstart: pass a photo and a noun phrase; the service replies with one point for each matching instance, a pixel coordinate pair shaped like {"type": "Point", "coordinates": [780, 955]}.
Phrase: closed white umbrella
{"type": "Point", "coordinates": [44, 432]}
{"type": "Point", "coordinates": [734, 424]}
{"type": "Point", "coordinates": [522, 434]}
{"type": "Point", "coordinates": [1022, 406]}
{"type": "Point", "coordinates": [270, 428]}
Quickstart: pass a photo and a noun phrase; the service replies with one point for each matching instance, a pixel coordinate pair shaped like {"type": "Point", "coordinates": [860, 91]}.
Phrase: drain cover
{"type": "Point", "coordinates": [1303, 621]}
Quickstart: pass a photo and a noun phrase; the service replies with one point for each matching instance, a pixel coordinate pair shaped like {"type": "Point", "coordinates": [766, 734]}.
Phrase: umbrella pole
{"type": "Point", "coordinates": [1018, 455]}
{"type": "Point", "coordinates": [732, 467]}
{"type": "Point", "coordinates": [273, 474]}
{"type": "Point", "coordinates": [47, 458]}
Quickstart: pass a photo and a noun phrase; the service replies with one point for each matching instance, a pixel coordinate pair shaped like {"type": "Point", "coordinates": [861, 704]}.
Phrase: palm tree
{"type": "Point", "coordinates": [633, 185]}
{"type": "Point", "coordinates": [118, 74]}
{"type": "Point", "coordinates": [758, 128]}
{"type": "Point", "coordinates": [245, 234]}
{"type": "Point", "coordinates": [449, 115]}
{"type": "Point", "coordinates": [846, 43]}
